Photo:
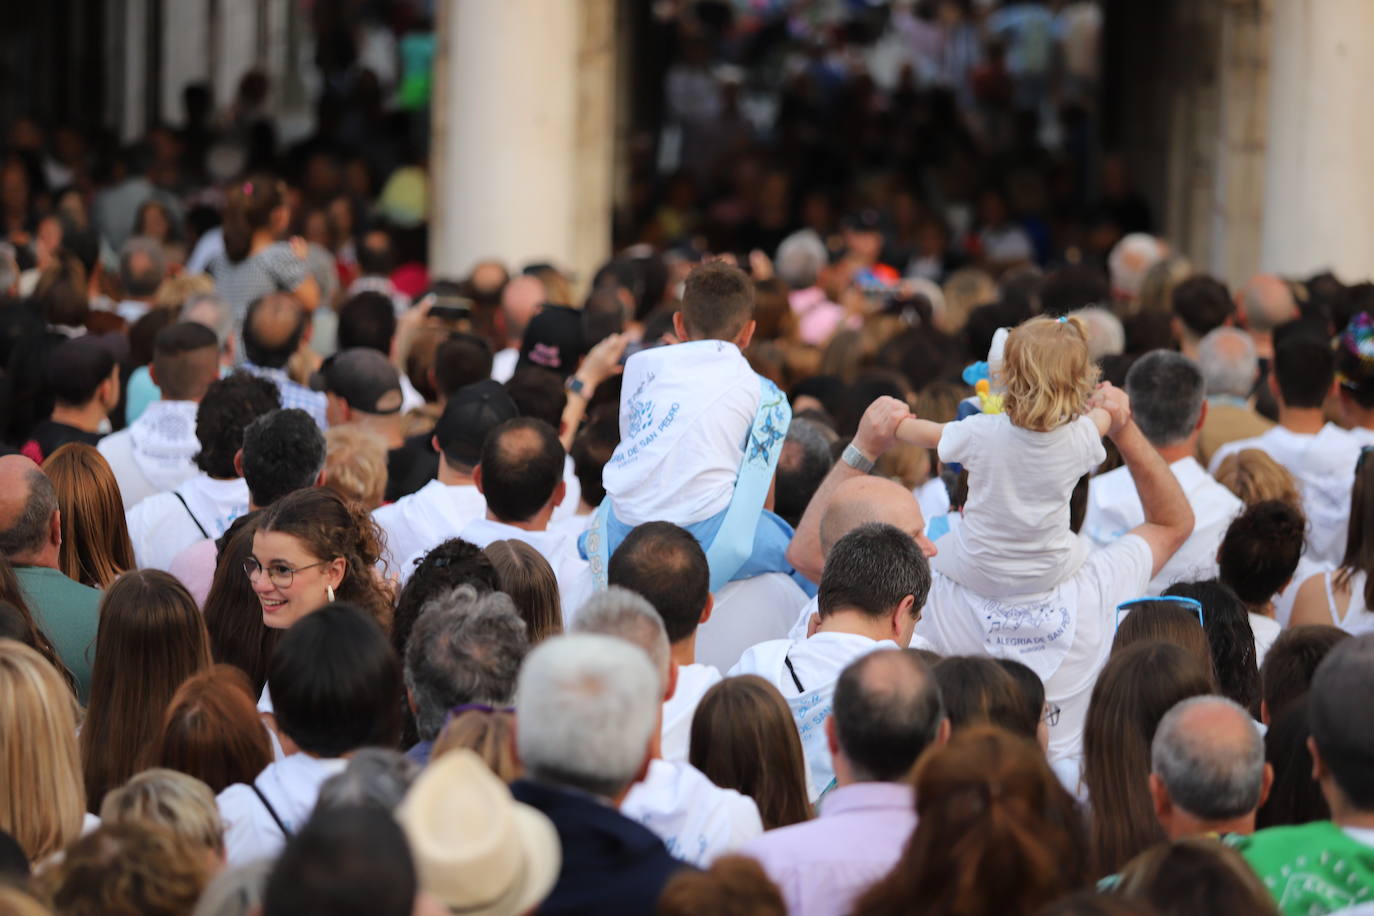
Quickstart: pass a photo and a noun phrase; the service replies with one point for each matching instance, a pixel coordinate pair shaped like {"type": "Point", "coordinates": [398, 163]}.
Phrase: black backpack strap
{"type": "Point", "coordinates": [182, 500]}
{"type": "Point", "coordinates": [787, 660]}
{"type": "Point", "coordinates": [281, 825]}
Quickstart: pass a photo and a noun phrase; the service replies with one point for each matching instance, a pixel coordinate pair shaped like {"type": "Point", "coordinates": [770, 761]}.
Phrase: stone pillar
{"type": "Point", "coordinates": [521, 145]}
{"type": "Point", "coordinates": [185, 40]}
{"type": "Point", "coordinates": [1319, 187]}
{"type": "Point", "coordinates": [1238, 208]}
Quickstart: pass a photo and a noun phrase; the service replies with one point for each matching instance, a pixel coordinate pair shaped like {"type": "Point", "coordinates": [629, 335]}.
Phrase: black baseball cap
{"type": "Point", "coordinates": [364, 378]}
{"type": "Point", "coordinates": [473, 412]}
{"type": "Point", "coordinates": [553, 340]}
{"type": "Point", "coordinates": [76, 367]}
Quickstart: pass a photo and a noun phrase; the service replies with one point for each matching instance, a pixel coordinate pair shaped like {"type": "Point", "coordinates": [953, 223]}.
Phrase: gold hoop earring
{"type": "Point", "coordinates": [329, 590]}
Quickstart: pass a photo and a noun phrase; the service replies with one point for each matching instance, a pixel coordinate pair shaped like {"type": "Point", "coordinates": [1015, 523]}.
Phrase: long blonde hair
{"type": "Point", "coordinates": [95, 539]}
{"type": "Point", "coordinates": [42, 797]}
{"type": "Point", "coordinates": [1047, 373]}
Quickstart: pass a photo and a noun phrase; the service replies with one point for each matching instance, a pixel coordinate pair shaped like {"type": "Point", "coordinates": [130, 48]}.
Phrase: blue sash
{"type": "Point", "coordinates": [742, 540]}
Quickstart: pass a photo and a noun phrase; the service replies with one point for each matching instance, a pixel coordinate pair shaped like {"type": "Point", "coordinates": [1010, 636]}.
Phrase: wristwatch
{"type": "Point", "coordinates": [576, 386]}
{"type": "Point", "coordinates": [856, 459]}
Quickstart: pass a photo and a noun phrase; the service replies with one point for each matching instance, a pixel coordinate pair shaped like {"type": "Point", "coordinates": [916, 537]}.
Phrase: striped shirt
{"type": "Point", "coordinates": [293, 394]}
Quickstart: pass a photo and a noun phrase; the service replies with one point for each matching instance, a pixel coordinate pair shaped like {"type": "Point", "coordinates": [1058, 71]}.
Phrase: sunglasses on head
{"type": "Point", "coordinates": [1191, 604]}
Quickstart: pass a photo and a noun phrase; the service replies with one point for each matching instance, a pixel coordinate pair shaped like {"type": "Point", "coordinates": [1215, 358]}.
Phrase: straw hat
{"type": "Point", "coordinates": [476, 848]}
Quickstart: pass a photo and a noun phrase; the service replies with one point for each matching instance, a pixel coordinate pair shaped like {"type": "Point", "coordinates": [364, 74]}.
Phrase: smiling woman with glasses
{"type": "Point", "coordinates": [311, 548]}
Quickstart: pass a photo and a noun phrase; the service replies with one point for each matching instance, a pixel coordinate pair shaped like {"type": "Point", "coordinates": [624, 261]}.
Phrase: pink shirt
{"type": "Point", "coordinates": [817, 317]}
{"type": "Point", "coordinates": [822, 866]}
{"type": "Point", "coordinates": [195, 567]}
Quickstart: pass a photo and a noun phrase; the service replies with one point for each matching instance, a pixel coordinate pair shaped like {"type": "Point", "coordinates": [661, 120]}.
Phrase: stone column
{"type": "Point", "coordinates": [1238, 209]}
{"type": "Point", "coordinates": [1319, 187]}
{"type": "Point", "coordinates": [521, 146]}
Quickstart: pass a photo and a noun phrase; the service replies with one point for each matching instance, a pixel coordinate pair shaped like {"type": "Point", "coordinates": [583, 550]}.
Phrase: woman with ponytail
{"type": "Point", "coordinates": [255, 261]}
{"type": "Point", "coordinates": [1346, 597]}
{"type": "Point", "coordinates": [996, 833]}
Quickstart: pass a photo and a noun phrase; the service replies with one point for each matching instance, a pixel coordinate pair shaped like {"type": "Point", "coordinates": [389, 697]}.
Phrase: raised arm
{"type": "Point", "coordinates": [601, 363]}
{"type": "Point", "coordinates": [1168, 517]}
{"type": "Point", "coordinates": [924, 433]}
{"type": "Point", "coordinates": [877, 433]}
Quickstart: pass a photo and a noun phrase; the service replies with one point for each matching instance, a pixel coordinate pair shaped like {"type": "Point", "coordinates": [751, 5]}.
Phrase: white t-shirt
{"type": "Point", "coordinates": [420, 521]}
{"type": "Point", "coordinates": [953, 622]}
{"type": "Point", "coordinates": [747, 612]}
{"type": "Point", "coordinates": [1015, 537]}
{"type": "Point", "coordinates": [1114, 509]}
{"type": "Point", "coordinates": [808, 684]}
{"type": "Point", "coordinates": [696, 819]}
{"type": "Point", "coordinates": [1266, 631]}
{"type": "Point", "coordinates": [933, 498]}
{"type": "Point", "coordinates": [1325, 474]}
{"type": "Point", "coordinates": [685, 412]}
{"type": "Point", "coordinates": [1284, 446]}
{"type": "Point", "coordinates": [570, 525]}
{"type": "Point", "coordinates": [1323, 465]}
{"type": "Point", "coordinates": [503, 364]}
{"type": "Point", "coordinates": [572, 493]}
{"type": "Point", "coordinates": [692, 683]}
{"type": "Point", "coordinates": [154, 453]}
{"type": "Point", "coordinates": [574, 575]}
{"type": "Point", "coordinates": [291, 786]}
{"type": "Point", "coordinates": [161, 527]}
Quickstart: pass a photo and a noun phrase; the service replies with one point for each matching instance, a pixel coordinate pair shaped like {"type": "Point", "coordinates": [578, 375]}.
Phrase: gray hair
{"type": "Point", "coordinates": [800, 259]}
{"type": "Point", "coordinates": [31, 527]}
{"type": "Point", "coordinates": [1106, 336]}
{"type": "Point", "coordinates": [585, 711]}
{"type": "Point", "coordinates": [1211, 774]}
{"type": "Point", "coordinates": [143, 282]}
{"type": "Point", "coordinates": [374, 776]}
{"type": "Point", "coordinates": [213, 312]}
{"type": "Point", "coordinates": [626, 615]}
{"type": "Point", "coordinates": [465, 648]}
{"type": "Point", "coordinates": [1166, 393]}
{"type": "Point", "coordinates": [1229, 362]}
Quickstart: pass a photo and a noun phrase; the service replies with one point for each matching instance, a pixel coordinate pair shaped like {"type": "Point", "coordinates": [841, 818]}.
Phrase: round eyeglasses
{"type": "Point", "coordinates": [279, 574]}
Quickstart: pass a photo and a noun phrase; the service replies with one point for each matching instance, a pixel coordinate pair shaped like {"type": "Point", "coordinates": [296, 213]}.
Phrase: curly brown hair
{"type": "Point", "coordinates": [129, 869]}
{"type": "Point", "coordinates": [330, 526]}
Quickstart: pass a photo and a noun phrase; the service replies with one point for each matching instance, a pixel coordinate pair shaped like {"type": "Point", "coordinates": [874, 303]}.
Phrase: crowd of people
{"type": "Point", "coordinates": [771, 580]}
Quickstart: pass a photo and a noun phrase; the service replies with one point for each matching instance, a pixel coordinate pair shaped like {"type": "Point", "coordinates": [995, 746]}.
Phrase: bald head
{"type": "Point", "coordinates": [487, 278]}
{"type": "Point", "coordinates": [887, 711]}
{"type": "Point", "coordinates": [27, 504]}
{"type": "Point", "coordinates": [520, 301]}
{"type": "Point", "coordinates": [861, 500]}
{"type": "Point", "coordinates": [521, 469]}
{"type": "Point", "coordinates": [1210, 757]}
{"type": "Point", "coordinates": [1266, 302]}
{"type": "Point", "coordinates": [273, 330]}
{"type": "Point", "coordinates": [1228, 362]}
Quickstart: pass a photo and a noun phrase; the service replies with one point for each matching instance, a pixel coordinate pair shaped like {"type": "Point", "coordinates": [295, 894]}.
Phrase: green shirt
{"type": "Point", "coordinates": [68, 612]}
{"type": "Point", "coordinates": [1311, 869]}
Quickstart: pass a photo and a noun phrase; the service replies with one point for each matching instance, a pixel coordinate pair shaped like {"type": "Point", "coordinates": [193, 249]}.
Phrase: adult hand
{"type": "Point", "coordinates": [878, 427]}
{"type": "Point", "coordinates": [603, 361]}
{"type": "Point", "coordinates": [1116, 403]}
{"type": "Point", "coordinates": [760, 267]}
{"type": "Point", "coordinates": [299, 247]}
